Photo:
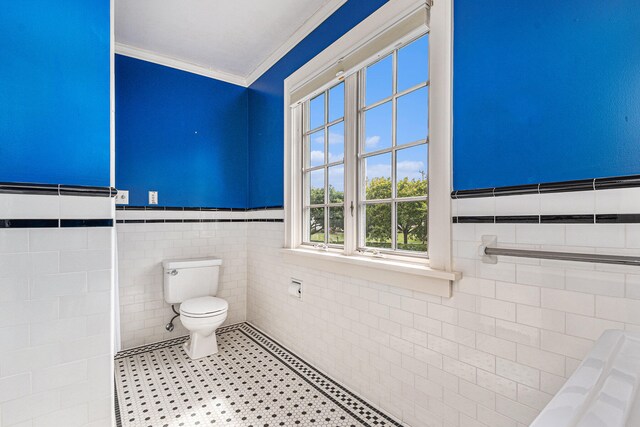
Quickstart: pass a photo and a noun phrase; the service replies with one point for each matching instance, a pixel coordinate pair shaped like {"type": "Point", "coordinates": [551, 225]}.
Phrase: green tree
{"type": "Point", "coordinates": [316, 224]}
{"type": "Point", "coordinates": [317, 196]}
{"type": "Point", "coordinates": [411, 216]}
{"type": "Point", "coordinates": [378, 216]}
{"type": "Point", "coordinates": [336, 215]}
{"type": "Point", "coordinates": [336, 225]}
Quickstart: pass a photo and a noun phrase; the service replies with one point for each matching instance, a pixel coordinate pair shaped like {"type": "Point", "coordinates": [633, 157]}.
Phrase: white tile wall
{"type": "Point", "coordinates": [55, 333]}
{"type": "Point", "coordinates": [492, 355]}
{"type": "Point", "coordinates": [141, 250]}
{"type": "Point", "coordinates": [578, 202]}
{"type": "Point", "coordinates": [15, 206]}
{"type": "Point", "coordinates": [528, 204]}
{"type": "Point", "coordinates": [624, 200]}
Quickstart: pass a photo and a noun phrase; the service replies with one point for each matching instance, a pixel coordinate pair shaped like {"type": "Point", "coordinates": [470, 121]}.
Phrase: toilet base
{"type": "Point", "coordinates": [200, 346]}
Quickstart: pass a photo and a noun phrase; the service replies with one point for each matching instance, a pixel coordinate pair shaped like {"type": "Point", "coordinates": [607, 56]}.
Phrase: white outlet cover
{"type": "Point", "coordinates": [122, 198]}
{"type": "Point", "coordinates": [153, 197]}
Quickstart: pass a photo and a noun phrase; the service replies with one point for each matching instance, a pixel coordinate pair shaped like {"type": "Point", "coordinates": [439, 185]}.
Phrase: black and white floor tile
{"type": "Point", "coordinates": [252, 381]}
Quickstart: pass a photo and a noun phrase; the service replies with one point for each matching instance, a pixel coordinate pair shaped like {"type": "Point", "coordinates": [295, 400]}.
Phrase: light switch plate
{"type": "Point", "coordinates": [153, 197]}
{"type": "Point", "coordinates": [122, 198]}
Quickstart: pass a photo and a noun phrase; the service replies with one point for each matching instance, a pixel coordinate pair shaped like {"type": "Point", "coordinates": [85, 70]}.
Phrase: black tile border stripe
{"type": "Point", "coordinates": [551, 219]}
{"type": "Point", "coordinates": [64, 223]}
{"type": "Point", "coordinates": [567, 186]}
{"type": "Point", "coordinates": [29, 223]}
{"type": "Point", "coordinates": [55, 223]}
{"type": "Point", "coordinates": [515, 190]}
{"type": "Point", "coordinates": [68, 190]}
{"type": "Point", "coordinates": [618, 182]}
{"type": "Point", "coordinates": [468, 194]}
{"type": "Point", "coordinates": [527, 219]}
{"type": "Point", "coordinates": [270, 347]}
{"type": "Point", "coordinates": [475, 219]}
{"type": "Point", "coordinates": [18, 188]}
{"type": "Point", "coordinates": [191, 208]}
{"type": "Point", "coordinates": [56, 189]}
{"type": "Point", "coordinates": [160, 344]}
{"type": "Point", "coordinates": [334, 391]}
{"type": "Point", "coordinates": [567, 219]}
{"type": "Point", "coordinates": [349, 401]}
{"type": "Point", "coordinates": [617, 218]}
{"type": "Point", "coordinates": [630, 181]}
{"type": "Point", "coordinates": [117, 404]}
{"type": "Point", "coordinates": [189, 220]}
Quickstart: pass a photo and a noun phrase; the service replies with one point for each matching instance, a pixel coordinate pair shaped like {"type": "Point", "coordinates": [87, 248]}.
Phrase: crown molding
{"type": "Point", "coordinates": [303, 31]}
{"type": "Point", "coordinates": [310, 24]}
{"type": "Point", "coordinates": [145, 55]}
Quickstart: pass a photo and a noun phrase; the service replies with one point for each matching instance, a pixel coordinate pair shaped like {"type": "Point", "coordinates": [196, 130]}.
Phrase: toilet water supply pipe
{"type": "Point", "coordinates": [169, 326]}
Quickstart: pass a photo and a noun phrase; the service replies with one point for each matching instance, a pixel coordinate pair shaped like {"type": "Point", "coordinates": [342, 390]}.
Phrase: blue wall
{"type": "Point", "coordinates": [181, 134]}
{"type": "Point", "coordinates": [54, 92]}
{"type": "Point", "coordinates": [545, 91]}
{"type": "Point", "coordinates": [266, 102]}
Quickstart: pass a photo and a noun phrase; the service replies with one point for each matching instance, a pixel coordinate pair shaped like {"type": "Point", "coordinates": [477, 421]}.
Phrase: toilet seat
{"type": "Point", "coordinates": [203, 307]}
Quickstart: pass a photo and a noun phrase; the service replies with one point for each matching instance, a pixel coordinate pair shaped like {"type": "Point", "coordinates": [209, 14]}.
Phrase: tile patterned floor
{"type": "Point", "coordinates": [252, 381]}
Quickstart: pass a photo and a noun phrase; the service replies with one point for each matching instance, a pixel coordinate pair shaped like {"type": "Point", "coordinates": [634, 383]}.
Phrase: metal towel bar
{"type": "Point", "coordinates": [489, 253]}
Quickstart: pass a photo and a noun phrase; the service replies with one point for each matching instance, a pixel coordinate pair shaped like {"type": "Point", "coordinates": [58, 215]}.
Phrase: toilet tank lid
{"type": "Point", "coordinates": [172, 264]}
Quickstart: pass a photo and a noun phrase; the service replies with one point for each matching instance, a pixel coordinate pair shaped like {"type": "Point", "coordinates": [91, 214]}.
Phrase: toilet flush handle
{"type": "Point", "coordinates": [172, 272]}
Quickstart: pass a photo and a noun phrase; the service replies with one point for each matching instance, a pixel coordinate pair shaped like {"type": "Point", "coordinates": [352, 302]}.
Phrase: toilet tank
{"type": "Point", "coordinates": [190, 278]}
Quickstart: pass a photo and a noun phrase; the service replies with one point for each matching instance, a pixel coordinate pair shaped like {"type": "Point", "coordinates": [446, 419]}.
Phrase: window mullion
{"type": "Point", "coordinates": [351, 164]}
{"type": "Point", "coordinates": [298, 194]}
{"type": "Point", "coordinates": [361, 118]}
{"type": "Point", "coordinates": [326, 168]}
{"type": "Point", "coordinates": [394, 123]}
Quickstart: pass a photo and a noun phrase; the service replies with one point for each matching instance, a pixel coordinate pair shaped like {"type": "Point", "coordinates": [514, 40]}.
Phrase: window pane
{"type": "Point", "coordinates": [316, 112]}
{"type": "Point", "coordinates": [413, 63]}
{"type": "Point", "coordinates": [378, 225]}
{"type": "Point", "coordinates": [336, 102]}
{"type": "Point", "coordinates": [412, 226]}
{"type": "Point", "coordinates": [316, 187]}
{"type": "Point", "coordinates": [315, 156]}
{"type": "Point", "coordinates": [378, 125]}
{"type": "Point", "coordinates": [336, 184]}
{"type": "Point", "coordinates": [412, 171]}
{"type": "Point", "coordinates": [379, 80]}
{"type": "Point", "coordinates": [377, 177]}
{"type": "Point", "coordinates": [336, 225]}
{"type": "Point", "coordinates": [316, 225]}
{"type": "Point", "coordinates": [413, 117]}
{"type": "Point", "coordinates": [336, 143]}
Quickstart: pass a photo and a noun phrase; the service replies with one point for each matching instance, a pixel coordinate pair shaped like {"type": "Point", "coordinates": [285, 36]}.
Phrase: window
{"type": "Point", "coordinates": [393, 159]}
{"type": "Point", "coordinates": [324, 168]}
{"type": "Point", "coordinates": [389, 157]}
{"type": "Point", "coordinates": [368, 151]}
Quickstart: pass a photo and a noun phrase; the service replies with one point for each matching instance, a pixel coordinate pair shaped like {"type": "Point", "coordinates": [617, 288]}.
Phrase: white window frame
{"type": "Point", "coordinates": [362, 155]}
{"type": "Point", "coordinates": [433, 275]}
{"type": "Point", "coordinates": [306, 135]}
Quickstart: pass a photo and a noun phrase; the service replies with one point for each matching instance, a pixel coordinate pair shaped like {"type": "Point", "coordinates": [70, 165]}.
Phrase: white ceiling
{"type": "Point", "coordinates": [232, 40]}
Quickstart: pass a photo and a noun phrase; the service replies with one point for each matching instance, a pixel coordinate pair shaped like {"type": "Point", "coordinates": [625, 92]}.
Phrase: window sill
{"type": "Point", "coordinates": [395, 273]}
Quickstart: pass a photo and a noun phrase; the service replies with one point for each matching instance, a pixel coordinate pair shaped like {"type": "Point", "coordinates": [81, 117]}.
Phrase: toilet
{"type": "Point", "coordinates": [193, 283]}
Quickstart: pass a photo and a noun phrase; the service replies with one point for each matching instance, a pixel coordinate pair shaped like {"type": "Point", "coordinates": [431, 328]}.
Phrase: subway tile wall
{"type": "Point", "coordinates": [493, 354]}
{"type": "Point", "coordinates": [55, 323]}
{"type": "Point", "coordinates": [141, 250]}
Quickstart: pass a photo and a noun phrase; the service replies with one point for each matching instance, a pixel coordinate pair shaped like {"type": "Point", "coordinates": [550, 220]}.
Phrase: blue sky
{"type": "Point", "coordinates": [412, 125]}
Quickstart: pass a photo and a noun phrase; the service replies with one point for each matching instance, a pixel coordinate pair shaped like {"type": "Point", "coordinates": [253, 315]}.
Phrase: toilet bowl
{"type": "Point", "coordinates": [201, 317]}
{"type": "Point", "coordinates": [192, 283]}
